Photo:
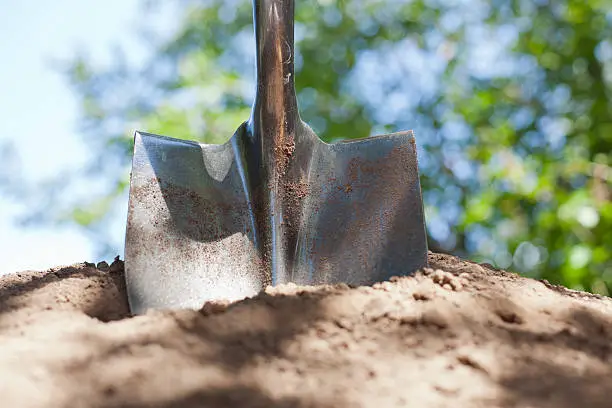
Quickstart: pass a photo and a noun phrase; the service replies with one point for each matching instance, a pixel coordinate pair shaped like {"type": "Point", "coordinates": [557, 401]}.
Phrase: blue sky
{"type": "Point", "coordinates": [38, 111]}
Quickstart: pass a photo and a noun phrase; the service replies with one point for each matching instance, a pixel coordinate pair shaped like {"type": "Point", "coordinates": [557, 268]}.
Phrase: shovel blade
{"type": "Point", "coordinates": [348, 212]}
{"type": "Point", "coordinates": [274, 204]}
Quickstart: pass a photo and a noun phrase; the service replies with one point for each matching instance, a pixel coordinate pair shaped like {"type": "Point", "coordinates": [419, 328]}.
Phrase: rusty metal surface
{"type": "Point", "coordinates": [274, 204]}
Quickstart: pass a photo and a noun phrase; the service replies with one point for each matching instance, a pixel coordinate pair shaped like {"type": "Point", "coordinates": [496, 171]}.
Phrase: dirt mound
{"type": "Point", "coordinates": [458, 334]}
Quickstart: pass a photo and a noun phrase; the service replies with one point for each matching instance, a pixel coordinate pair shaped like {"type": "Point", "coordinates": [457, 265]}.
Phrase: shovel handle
{"type": "Point", "coordinates": [274, 22]}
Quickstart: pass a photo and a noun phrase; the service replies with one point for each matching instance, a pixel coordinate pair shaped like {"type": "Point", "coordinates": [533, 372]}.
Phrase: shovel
{"type": "Point", "coordinates": [274, 204]}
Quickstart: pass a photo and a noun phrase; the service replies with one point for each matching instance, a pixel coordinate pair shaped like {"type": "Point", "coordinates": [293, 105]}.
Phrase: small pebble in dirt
{"type": "Point", "coordinates": [213, 308]}
{"type": "Point", "coordinates": [117, 265]}
{"type": "Point", "coordinates": [421, 296]}
{"type": "Point", "coordinates": [427, 271]}
{"type": "Point", "coordinates": [446, 279]}
{"type": "Point", "coordinates": [344, 324]}
{"type": "Point", "coordinates": [488, 266]}
{"type": "Point", "coordinates": [510, 317]}
{"type": "Point", "coordinates": [470, 362]}
{"type": "Point", "coordinates": [103, 266]}
{"type": "Point", "coordinates": [384, 286]}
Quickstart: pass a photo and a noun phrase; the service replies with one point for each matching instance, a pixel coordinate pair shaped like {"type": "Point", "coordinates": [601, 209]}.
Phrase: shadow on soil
{"type": "Point", "coordinates": [549, 385]}
{"type": "Point", "coordinates": [105, 298]}
{"type": "Point", "coordinates": [232, 397]}
{"type": "Point", "coordinates": [214, 343]}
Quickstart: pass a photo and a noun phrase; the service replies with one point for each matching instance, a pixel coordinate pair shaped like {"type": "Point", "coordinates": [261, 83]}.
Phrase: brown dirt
{"type": "Point", "coordinates": [459, 334]}
{"type": "Point", "coordinates": [283, 152]}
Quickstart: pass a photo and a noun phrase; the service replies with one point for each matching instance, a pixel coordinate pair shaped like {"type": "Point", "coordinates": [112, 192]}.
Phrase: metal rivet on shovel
{"type": "Point", "coordinates": [274, 204]}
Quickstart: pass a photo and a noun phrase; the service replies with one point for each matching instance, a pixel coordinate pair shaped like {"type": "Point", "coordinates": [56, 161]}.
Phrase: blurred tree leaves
{"type": "Point", "coordinates": [510, 100]}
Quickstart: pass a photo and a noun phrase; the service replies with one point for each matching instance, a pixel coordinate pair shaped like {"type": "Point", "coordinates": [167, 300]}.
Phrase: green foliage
{"type": "Point", "coordinates": [510, 100]}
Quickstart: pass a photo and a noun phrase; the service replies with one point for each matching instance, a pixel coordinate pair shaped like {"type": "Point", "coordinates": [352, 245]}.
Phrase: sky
{"type": "Point", "coordinates": [39, 112]}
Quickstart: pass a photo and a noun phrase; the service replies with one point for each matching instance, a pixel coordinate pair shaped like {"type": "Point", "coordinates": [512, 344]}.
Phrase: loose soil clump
{"type": "Point", "coordinates": [457, 334]}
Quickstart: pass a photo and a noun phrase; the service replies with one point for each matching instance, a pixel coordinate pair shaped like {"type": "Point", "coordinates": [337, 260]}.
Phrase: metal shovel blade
{"type": "Point", "coordinates": [274, 204]}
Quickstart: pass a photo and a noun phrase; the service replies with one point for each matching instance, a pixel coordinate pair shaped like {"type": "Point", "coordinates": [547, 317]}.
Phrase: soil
{"type": "Point", "coordinates": [459, 334]}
